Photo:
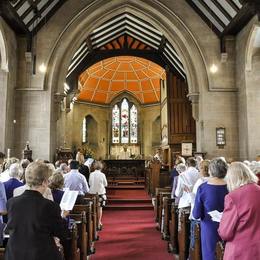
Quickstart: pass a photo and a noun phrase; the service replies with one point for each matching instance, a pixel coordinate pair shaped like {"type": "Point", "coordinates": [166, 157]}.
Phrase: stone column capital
{"type": "Point", "coordinates": [194, 97]}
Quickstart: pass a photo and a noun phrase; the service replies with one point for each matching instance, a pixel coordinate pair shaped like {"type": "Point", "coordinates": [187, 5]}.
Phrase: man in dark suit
{"type": "Point", "coordinates": [34, 221]}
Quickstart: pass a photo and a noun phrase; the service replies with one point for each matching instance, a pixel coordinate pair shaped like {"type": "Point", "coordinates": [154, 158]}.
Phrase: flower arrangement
{"type": "Point", "coordinates": [88, 152]}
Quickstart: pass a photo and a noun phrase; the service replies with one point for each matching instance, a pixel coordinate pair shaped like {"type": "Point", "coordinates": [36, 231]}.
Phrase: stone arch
{"type": "Point", "coordinates": [91, 129]}
{"type": "Point", "coordinates": [156, 14]}
{"type": "Point", "coordinates": [252, 46]}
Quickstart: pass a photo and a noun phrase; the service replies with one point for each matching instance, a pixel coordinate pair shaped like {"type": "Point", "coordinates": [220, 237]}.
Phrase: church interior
{"type": "Point", "coordinates": [138, 85]}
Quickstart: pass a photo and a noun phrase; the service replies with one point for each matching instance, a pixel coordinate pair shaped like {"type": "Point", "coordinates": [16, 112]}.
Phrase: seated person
{"type": "Point", "coordinates": [74, 180]}
{"type": "Point", "coordinates": [33, 221]}
{"type": "Point", "coordinates": [56, 186]}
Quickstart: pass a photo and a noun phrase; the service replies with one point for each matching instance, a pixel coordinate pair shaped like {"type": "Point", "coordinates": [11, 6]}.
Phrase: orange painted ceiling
{"type": "Point", "coordinates": [106, 79]}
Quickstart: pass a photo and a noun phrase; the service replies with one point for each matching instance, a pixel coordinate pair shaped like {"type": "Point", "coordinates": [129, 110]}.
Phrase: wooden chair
{"type": "Point", "coordinates": [88, 209]}
{"type": "Point", "coordinates": [183, 234]}
{"type": "Point", "coordinates": [220, 248]}
{"type": "Point", "coordinates": [195, 253]}
{"type": "Point", "coordinates": [173, 229]}
{"type": "Point", "coordinates": [81, 222]}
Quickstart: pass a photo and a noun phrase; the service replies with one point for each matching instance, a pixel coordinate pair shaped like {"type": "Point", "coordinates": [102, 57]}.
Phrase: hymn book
{"type": "Point", "coordinates": [68, 200]}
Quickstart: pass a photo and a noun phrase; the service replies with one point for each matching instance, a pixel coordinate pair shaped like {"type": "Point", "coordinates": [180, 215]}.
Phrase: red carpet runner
{"type": "Point", "coordinates": [130, 234]}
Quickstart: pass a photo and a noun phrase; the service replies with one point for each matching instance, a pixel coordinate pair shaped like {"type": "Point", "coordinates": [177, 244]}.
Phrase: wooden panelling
{"type": "Point", "coordinates": [181, 125]}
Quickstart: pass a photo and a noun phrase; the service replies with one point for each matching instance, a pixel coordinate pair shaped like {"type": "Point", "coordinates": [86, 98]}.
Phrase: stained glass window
{"type": "Point", "coordinates": [124, 123]}
{"type": "Point", "coordinates": [115, 124]}
{"type": "Point", "coordinates": [133, 125]}
{"type": "Point", "coordinates": [84, 130]}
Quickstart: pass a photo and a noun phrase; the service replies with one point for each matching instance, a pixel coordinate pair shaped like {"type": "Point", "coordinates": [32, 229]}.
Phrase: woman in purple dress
{"type": "Point", "coordinates": [210, 196]}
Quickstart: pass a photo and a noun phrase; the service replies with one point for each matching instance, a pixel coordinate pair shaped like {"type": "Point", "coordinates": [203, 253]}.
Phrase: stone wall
{"type": "Point", "coordinates": [196, 44]}
{"type": "Point", "coordinates": [247, 77]}
{"type": "Point", "coordinates": [8, 66]}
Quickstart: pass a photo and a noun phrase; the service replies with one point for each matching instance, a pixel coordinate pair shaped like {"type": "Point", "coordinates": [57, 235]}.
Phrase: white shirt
{"type": "Point", "coordinates": [74, 180]}
{"type": "Point", "coordinates": [186, 179]}
{"type": "Point", "coordinates": [20, 190]}
{"type": "Point", "coordinates": [5, 176]}
{"type": "Point", "coordinates": [97, 182]}
{"type": "Point", "coordinates": [194, 192]}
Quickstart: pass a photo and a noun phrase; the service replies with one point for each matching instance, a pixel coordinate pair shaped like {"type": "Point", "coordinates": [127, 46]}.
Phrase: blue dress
{"type": "Point", "coordinates": [208, 198]}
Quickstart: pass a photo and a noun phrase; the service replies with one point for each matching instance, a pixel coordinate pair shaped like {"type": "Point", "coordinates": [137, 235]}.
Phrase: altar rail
{"type": "Point", "coordinates": [124, 168]}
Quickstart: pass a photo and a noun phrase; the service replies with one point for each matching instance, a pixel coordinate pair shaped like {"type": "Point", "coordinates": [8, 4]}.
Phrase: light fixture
{"type": "Point", "coordinates": [213, 68]}
{"type": "Point", "coordinates": [42, 68]}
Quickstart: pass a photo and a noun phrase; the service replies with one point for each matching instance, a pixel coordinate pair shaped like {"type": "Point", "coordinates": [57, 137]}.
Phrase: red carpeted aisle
{"type": "Point", "coordinates": [130, 233]}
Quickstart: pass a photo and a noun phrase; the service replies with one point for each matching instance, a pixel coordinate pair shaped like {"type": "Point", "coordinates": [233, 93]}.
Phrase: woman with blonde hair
{"type": "Point", "coordinates": [239, 225]}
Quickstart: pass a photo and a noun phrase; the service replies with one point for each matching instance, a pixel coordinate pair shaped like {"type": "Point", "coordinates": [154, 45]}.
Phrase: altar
{"type": "Point", "coordinates": [124, 168]}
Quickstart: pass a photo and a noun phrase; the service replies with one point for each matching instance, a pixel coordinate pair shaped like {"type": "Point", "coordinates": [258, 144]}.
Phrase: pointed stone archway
{"type": "Point", "coordinates": [154, 13]}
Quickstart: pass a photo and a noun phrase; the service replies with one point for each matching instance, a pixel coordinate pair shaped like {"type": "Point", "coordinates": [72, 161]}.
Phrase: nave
{"type": "Point", "coordinates": [129, 228]}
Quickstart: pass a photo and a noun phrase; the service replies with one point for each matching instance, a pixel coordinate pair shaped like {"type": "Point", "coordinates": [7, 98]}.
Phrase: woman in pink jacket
{"type": "Point", "coordinates": [239, 225]}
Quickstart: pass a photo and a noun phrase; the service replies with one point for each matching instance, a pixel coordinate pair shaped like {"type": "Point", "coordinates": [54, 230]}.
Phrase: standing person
{"type": "Point", "coordinates": [98, 184]}
{"type": "Point", "coordinates": [186, 181]}
{"type": "Point", "coordinates": [74, 180]}
{"type": "Point", "coordinates": [2, 159]}
{"type": "Point", "coordinates": [174, 173]}
{"type": "Point", "coordinates": [3, 210]}
{"type": "Point", "coordinates": [80, 157]}
{"type": "Point", "coordinates": [15, 172]}
{"type": "Point", "coordinates": [239, 225]}
{"type": "Point", "coordinates": [33, 221]}
{"type": "Point", "coordinates": [210, 196]}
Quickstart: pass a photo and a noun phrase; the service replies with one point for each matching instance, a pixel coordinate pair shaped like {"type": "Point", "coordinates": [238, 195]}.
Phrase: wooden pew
{"type": "Point", "coordinates": [2, 253]}
{"type": "Point", "coordinates": [167, 202]}
{"type": "Point", "coordinates": [183, 235]}
{"type": "Point", "coordinates": [173, 229]}
{"type": "Point", "coordinates": [220, 248]}
{"type": "Point", "coordinates": [162, 195]}
{"type": "Point", "coordinates": [158, 202]}
{"type": "Point", "coordinates": [195, 253]}
{"type": "Point", "coordinates": [81, 222]}
{"type": "Point", "coordinates": [95, 213]}
{"type": "Point", "coordinates": [88, 209]}
{"type": "Point", "coordinates": [71, 250]}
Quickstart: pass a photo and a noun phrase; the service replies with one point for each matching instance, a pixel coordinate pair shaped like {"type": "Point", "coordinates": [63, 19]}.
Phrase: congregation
{"type": "Point", "coordinates": [30, 195]}
{"type": "Point", "coordinates": [207, 186]}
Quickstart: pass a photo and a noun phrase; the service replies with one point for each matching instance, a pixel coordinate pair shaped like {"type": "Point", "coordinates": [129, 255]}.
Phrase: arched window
{"type": "Point", "coordinates": [84, 130]}
{"type": "Point", "coordinates": [124, 123]}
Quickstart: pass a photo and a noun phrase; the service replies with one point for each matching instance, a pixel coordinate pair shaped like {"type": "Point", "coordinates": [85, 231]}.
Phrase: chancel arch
{"type": "Point", "coordinates": [169, 24]}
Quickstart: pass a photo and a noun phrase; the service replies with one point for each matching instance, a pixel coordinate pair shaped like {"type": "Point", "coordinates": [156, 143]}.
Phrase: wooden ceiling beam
{"type": "Point", "coordinates": [204, 18]}
{"type": "Point", "coordinates": [240, 20]}
{"type": "Point", "coordinates": [19, 4]}
{"type": "Point", "coordinates": [214, 15]}
{"type": "Point", "coordinates": [222, 9]}
{"type": "Point", "coordinates": [12, 18]}
{"type": "Point", "coordinates": [33, 6]}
